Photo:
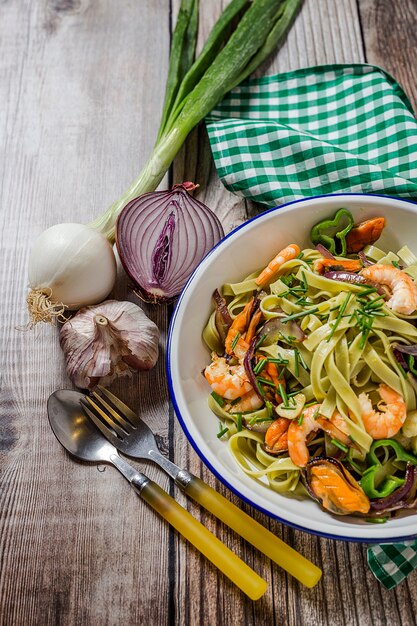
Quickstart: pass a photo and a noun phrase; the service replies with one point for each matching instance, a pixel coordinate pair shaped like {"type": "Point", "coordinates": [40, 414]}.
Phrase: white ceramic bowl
{"type": "Point", "coordinates": [248, 247]}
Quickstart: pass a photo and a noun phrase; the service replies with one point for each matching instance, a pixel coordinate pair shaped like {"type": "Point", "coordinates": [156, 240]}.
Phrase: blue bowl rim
{"type": "Point", "coordinates": [177, 409]}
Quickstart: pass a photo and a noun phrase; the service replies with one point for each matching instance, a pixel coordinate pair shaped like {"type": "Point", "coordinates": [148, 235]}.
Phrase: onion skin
{"type": "Point", "coordinates": [161, 237]}
{"type": "Point", "coordinates": [75, 263]}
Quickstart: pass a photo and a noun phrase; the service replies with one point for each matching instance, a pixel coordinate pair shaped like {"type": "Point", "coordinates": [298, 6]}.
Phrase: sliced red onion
{"type": "Point", "coordinates": [161, 237]}
{"type": "Point", "coordinates": [354, 279]}
{"type": "Point", "coordinates": [366, 262]}
{"type": "Point", "coordinates": [222, 317]}
{"type": "Point", "coordinates": [398, 499]}
{"type": "Point", "coordinates": [406, 349]}
{"type": "Point", "coordinates": [324, 251]}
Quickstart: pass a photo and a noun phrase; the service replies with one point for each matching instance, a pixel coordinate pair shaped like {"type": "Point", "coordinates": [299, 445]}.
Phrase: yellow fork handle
{"type": "Point", "coordinates": [281, 553]}
{"type": "Point", "coordinates": [213, 549]}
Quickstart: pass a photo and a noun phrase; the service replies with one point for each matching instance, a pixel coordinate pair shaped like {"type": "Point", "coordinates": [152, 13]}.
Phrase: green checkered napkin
{"type": "Point", "coordinates": [329, 129]}
{"type": "Point", "coordinates": [391, 563]}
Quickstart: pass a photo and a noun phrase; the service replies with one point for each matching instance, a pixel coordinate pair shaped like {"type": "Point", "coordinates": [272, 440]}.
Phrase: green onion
{"type": "Point", "coordinates": [194, 89]}
{"type": "Point", "coordinates": [235, 340]}
{"type": "Point", "coordinates": [296, 367]}
{"type": "Point", "coordinates": [339, 317]}
{"type": "Point", "coordinates": [260, 342]}
{"type": "Point", "coordinates": [283, 395]}
{"type": "Point", "coordinates": [339, 445]}
{"type": "Point", "coordinates": [220, 401]}
{"type": "Point", "coordinates": [294, 316]}
{"type": "Point", "coordinates": [260, 365]}
{"type": "Point", "coordinates": [222, 432]}
{"type": "Point", "coordinates": [265, 381]}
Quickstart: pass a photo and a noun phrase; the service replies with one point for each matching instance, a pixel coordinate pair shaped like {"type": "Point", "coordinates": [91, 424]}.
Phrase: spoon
{"type": "Point", "coordinates": [80, 437]}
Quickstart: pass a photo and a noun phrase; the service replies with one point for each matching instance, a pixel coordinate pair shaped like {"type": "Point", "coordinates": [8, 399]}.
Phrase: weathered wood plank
{"type": "Point", "coordinates": [390, 40]}
{"type": "Point", "coordinates": [76, 545]}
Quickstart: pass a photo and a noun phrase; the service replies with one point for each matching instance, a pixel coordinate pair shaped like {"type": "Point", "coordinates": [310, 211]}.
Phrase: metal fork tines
{"type": "Point", "coordinates": [126, 431]}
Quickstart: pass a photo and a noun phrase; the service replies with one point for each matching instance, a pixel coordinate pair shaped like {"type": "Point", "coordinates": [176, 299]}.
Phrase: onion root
{"type": "Point", "coordinates": [42, 309]}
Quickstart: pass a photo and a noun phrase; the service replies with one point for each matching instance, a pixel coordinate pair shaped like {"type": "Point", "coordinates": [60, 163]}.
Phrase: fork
{"type": "Point", "coordinates": [121, 426]}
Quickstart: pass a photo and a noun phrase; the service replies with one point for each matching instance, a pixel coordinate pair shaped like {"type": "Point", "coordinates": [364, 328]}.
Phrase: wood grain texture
{"type": "Point", "coordinates": [81, 94]}
{"type": "Point", "coordinates": [390, 40]}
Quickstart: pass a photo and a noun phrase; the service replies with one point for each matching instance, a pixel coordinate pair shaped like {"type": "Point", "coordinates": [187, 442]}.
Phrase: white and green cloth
{"type": "Point", "coordinates": [327, 129]}
{"type": "Point", "coordinates": [321, 130]}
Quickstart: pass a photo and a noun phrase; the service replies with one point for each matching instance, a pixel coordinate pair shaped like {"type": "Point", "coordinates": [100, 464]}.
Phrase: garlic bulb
{"type": "Point", "coordinates": [105, 341]}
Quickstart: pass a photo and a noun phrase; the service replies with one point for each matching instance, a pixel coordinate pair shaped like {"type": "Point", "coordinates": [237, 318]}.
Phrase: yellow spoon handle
{"type": "Point", "coordinates": [286, 557]}
{"type": "Point", "coordinates": [213, 549]}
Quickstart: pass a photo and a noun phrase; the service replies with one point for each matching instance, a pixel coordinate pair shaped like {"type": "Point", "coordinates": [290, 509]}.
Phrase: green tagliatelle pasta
{"type": "Point", "coordinates": [326, 343]}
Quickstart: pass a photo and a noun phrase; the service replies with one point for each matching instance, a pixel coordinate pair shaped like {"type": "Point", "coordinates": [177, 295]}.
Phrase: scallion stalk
{"type": "Point", "coordinates": [194, 89]}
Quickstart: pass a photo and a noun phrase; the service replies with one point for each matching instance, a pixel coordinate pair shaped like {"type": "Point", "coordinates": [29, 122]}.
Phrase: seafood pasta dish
{"type": "Point", "coordinates": [313, 371]}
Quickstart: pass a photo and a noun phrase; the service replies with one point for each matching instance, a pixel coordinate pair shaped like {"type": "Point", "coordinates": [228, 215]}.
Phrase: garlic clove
{"type": "Point", "coordinates": [106, 341]}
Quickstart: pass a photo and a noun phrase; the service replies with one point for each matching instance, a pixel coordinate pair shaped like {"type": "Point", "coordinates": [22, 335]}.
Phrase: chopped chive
{"type": "Point", "coordinates": [396, 264]}
{"type": "Point", "coordinates": [269, 408]}
{"type": "Point", "coordinates": [283, 395]}
{"type": "Point", "coordinates": [300, 419]}
{"type": "Point", "coordinates": [260, 365]}
{"type": "Point", "coordinates": [316, 414]}
{"type": "Point", "coordinates": [305, 283]}
{"type": "Point", "coordinates": [310, 404]}
{"type": "Point", "coordinates": [235, 401]}
{"type": "Point", "coordinates": [239, 422]}
{"type": "Point", "coordinates": [353, 440]}
{"type": "Point", "coordinates": [302, 361]}
{"type": "Point", "coordinates": [222, 431]}
{"type": "Point", "coordinates": [367, 290]}
{"type": "Point", "coordinates": [235, 340]}
{"type": "Point", "coordinates": [220, 401]}
{"type": "Point", "coordinates": [294, 316]}
{"type": "Point", "coordinates": [411, 364]}
{"type": "Point", "coordinates": [260, 342]}
{"type": "Point", "coordinates": [339, 317]}
{"type": "Point", "coordinates": [334, 308]}
{"type": "Point", "coordinates": [300, 255]}
{"type": "Point", "coordinates": [296, 366]}
{"type": "Point", "coordinates": [339, 445]}
{"type": "Point", "coordinates": [293, 393]}
{"type": "Point", "coordinates": [376, 520]}
{"type": "Point", "coordinates": [279, 360]}
{"type": "Point", "coordinates": [265, 381]}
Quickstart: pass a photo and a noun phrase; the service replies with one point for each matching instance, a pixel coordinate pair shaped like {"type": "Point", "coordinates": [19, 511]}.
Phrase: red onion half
{"type": "Point", "coordinates": [161, 237]}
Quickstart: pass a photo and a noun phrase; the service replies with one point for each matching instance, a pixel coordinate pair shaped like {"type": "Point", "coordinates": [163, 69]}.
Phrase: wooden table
{"type": "Point", "coordinates": [81, 90]}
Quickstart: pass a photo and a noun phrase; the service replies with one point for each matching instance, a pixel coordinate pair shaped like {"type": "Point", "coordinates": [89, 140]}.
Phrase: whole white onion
{"type": "Point", "coordinates": [70, 266]}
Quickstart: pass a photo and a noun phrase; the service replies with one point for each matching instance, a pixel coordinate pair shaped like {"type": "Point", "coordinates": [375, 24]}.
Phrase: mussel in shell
{"type": "Point", "coordinates": [329, 482]}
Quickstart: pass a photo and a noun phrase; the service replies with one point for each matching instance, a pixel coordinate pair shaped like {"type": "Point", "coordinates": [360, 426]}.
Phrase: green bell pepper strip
{"type": "Point", "coordinates": [327, 231]}
{"type": "Point", "coordinates": [391, 483]}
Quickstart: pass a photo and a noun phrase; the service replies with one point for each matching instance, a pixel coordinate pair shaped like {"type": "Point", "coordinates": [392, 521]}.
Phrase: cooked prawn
{"type": "Point", "coordinates": [276, 437]}
{"type": "Point", "coordinates": [403, 288]}
{"type": "Point", "coordinates": [239, 325]}
{"type": "Point", "coordinates": [288, 253]}
{"type": "Point", "coordinates": [298, 433]}
{"type": "Point", "coordinates": [312, 421]}
{"type": "Point", "coordinates": [387, 423]}
{"type": "Point", "coordinates": [229, 381]}
{"type": "Point", "coordinates": [364, 234]}
{"type": "Point", "coordinates": [249, 402]}
{"type": "Point", "coordinates": [330, 265]}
